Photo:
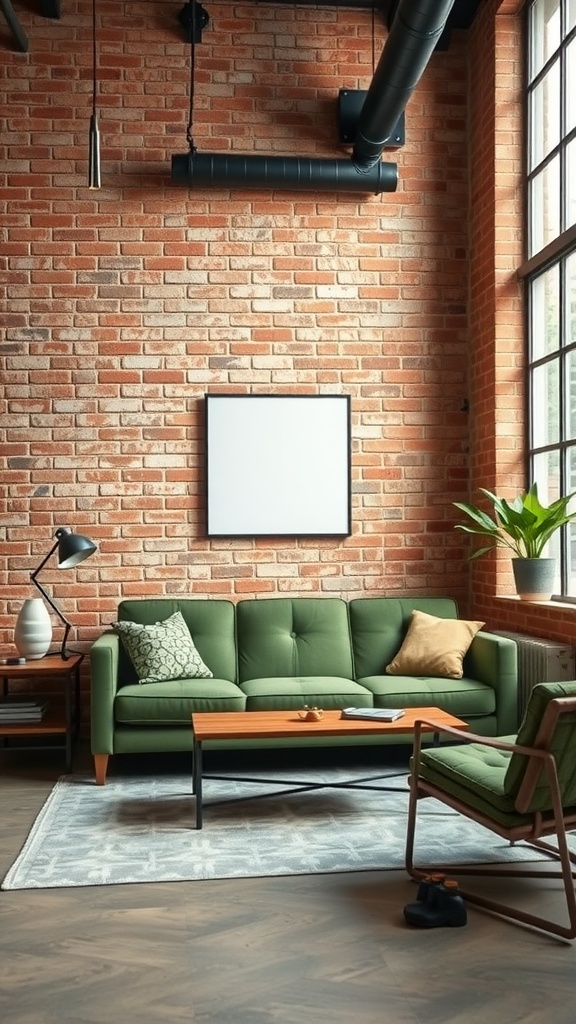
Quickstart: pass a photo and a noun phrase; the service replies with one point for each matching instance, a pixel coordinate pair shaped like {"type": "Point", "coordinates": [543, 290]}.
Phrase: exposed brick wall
{"type": "Point", "coordinates": [122, 307]}
{"type": "Point", "coordinates": [496, 328]}
{"type": "Point", "coordinates": [125, 306]}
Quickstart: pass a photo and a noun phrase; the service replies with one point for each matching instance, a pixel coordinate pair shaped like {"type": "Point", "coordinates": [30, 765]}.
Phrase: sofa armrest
{"type": "Point", "coordinates": [103, 686]}
{"type": "Point", "coordinates": [493, 660]}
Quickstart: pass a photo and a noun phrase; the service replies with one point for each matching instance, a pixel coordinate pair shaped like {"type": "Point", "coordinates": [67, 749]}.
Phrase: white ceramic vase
{"type": "Point", "coordinates": [33, 632]}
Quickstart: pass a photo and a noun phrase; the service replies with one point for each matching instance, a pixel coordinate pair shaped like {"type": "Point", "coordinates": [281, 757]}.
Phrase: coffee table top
{"type": "Point", "coordinates": [223, 725]}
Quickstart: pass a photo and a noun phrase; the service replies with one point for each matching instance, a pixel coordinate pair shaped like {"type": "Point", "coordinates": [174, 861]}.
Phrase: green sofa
{"type": "Point", "coordinates": [281, 653]}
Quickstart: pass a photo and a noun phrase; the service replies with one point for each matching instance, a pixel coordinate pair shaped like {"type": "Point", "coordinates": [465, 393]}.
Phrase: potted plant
{"type": "Point", "coordinates": [523, 526]}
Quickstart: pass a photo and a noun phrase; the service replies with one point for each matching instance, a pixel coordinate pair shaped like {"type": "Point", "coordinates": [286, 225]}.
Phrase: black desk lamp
{"type": "Point", "coordinates": [72, 549]}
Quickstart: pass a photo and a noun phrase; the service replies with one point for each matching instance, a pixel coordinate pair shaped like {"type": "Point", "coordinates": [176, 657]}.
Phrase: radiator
{"type": "Point", "coordinates": [539, 661]}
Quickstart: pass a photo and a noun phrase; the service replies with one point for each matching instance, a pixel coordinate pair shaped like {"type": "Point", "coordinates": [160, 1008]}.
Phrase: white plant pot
{"type": "Point", "coordinates": [33, 632]}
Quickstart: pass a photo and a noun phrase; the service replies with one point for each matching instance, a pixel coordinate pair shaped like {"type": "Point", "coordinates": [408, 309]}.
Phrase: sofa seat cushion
{"type": "Point", "coordinates": [284, 693]}
{"type": "Point", "coordinates": [173, 702]}
{"type": "Point", "coordinates": [461, 697]}
{"type": "Point", "coordinates": [474, 774]}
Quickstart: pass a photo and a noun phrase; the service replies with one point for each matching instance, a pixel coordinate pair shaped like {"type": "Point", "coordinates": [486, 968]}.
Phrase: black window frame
{"type": "Point", "coordinates": [552, 258]}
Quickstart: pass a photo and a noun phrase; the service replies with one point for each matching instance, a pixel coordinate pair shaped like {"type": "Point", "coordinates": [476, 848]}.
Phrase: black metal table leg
{"type": "Point", "coordinates": [77, 703]}
{"type": "Point", "coordinates": [197, 780]}
{"type": "Point", "coordinates": [69, 725]}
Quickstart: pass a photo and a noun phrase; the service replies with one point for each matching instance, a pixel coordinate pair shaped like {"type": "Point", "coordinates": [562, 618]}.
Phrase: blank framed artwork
{"type": "Point", "coordinates": [278, 465]}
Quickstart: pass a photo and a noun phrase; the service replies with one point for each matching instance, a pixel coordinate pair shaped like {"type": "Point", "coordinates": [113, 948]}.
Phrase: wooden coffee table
{"type": "Point", "coordinates": [233, 726]}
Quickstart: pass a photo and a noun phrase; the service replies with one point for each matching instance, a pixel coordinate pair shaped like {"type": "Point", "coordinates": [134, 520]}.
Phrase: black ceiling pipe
{"type": "Point", "coordinates": [298, 173]}
{"type": "Point", "coordinates": [417, 27]}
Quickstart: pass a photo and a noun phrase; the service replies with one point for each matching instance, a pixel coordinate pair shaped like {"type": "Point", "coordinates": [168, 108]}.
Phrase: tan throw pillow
{"type": "Point", "coordinates": [434, 647]}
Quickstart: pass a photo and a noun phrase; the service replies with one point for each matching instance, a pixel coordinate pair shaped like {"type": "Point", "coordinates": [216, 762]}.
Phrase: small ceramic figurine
{"type": "Point", "coordinates": [310, 714]}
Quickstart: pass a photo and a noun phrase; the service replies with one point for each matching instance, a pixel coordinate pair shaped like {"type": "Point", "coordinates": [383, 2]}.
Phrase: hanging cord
{"type": "Point", "coordinates": [373, 38]}
{"type": "Point", "coordinates": [189, 126]}
{"type": "Point", "coordinates": [94, 59]}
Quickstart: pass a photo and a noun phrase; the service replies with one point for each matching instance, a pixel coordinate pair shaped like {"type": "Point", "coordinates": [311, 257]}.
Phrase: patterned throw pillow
{"type": "Point", "coordinates": [162, 651]}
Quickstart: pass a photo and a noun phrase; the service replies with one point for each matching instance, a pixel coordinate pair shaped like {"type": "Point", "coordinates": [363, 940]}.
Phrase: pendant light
{"type": "Point", "coordinates": [94, 135]}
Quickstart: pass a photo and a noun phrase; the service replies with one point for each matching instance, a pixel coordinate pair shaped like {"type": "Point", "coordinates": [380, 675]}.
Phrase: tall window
{"type": "Point", "coordinates": [550, 270]}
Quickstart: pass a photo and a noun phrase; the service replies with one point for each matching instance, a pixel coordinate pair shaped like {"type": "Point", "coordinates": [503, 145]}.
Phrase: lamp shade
{"type": "Point", "coordinates": [72, 548]}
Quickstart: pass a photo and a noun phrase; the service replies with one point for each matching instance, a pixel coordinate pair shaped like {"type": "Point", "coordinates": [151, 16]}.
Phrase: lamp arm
{"type": "Point", "coordinates": [38, 569]}
{"type": "Point", "coordinates": [50, 601]}
{"type": "Point", "coordinates": [53, 605]}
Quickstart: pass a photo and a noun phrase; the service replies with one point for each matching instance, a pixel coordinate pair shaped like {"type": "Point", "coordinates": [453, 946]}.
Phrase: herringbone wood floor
{"type": "Point", "coordinates": [325, 949]}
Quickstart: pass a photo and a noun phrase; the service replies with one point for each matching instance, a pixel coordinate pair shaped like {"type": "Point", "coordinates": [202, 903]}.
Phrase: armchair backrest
{"type": "Point", "coordinates": [549, 723]}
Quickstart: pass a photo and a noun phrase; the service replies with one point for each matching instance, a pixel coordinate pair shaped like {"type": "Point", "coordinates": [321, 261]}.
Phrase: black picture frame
{"type": "Point", "coordinates": [278, 465]}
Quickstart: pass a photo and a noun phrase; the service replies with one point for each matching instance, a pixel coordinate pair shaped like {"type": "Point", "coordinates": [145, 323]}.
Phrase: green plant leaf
{"type": "Point", "coordinates": [522, 525]}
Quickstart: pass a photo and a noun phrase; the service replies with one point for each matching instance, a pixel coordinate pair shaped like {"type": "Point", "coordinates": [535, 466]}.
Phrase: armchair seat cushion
{"type": "Point", "coordinates": [464, 698]}
{"type": "Point", "coordinates": [474, 774]}
{"type": "Point", "coordinates": [287, 692]}
{"type": "Point", "coordinates": [174, 701]}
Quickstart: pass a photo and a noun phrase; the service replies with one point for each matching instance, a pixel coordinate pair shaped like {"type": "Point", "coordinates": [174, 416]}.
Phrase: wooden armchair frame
{"type": "Point", "coordinates": [554, 822]}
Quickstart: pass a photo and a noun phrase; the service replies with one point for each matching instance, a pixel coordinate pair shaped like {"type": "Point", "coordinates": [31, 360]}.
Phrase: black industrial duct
{"type": "Point", "coordinates": [246, 171]}
{"type": "Point", "coordinates": [417, 27]}
{"type": "Point", "coordinates": [415, 30]}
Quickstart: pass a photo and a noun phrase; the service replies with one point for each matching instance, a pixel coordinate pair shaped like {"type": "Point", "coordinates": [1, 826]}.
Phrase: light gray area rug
{"type": "Point", "coordinates": [142, 829]}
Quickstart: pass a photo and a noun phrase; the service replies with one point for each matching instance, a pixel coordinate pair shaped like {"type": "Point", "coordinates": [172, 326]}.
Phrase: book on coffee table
{"type": "Point", "coordinates": [374, 714]}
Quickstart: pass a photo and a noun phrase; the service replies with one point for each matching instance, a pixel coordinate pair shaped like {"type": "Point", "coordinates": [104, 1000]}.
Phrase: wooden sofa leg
{"type": "Point", "coordinates": [100, 768]}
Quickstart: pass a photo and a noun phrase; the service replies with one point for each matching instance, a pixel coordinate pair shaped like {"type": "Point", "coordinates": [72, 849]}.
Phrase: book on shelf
{"type": "Point", "coordinates": [22, 720]}
{"type": "Point", "coordinates": [15, 711]}
{"type": "Point", "coordinates": [10, 701]}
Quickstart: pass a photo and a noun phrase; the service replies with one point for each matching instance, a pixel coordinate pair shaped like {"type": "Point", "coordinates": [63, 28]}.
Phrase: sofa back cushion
{"type": "Point", "coordinates": [293, 637]}
{"type": "Point", "coordinates": [211, 625]}
{"type": "Point", "coordinates": [379, 625]}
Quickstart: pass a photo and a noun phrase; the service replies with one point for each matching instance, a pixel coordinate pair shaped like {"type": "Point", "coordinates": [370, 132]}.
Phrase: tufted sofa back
{"type": "Point", "coordinates": [293, 637]}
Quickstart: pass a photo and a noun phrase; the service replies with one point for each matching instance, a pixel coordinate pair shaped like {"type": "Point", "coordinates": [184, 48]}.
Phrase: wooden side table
{"type": "Point", "coordinates": [61, 718]}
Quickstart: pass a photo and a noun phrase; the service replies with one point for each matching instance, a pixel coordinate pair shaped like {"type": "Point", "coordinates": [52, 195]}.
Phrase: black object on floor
{"type": "Point", "coordinates": [438, 904]}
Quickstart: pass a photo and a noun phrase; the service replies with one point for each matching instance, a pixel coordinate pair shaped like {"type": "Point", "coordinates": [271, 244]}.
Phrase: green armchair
{"type": "Point", "coordinates": [522, 788]}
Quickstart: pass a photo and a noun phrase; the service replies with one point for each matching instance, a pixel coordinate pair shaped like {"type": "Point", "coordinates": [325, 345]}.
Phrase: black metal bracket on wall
{"type": "Point", "coordinates": [350, 103]}
{"type": "Point", "coordinates": [50, 8]}
{"type": "Point", "coordinates": [193, 18]}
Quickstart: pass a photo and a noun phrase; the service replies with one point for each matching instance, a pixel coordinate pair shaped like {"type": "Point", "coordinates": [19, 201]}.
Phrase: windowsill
{"type": "Point", "coordinates": [563, 606]}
